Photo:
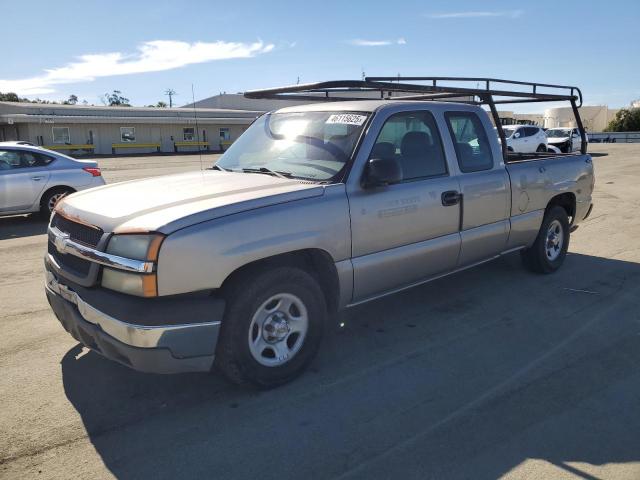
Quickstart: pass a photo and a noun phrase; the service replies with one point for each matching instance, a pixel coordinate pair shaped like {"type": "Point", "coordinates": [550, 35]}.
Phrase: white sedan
{"type": "Point", "coordinates": [34, 179]}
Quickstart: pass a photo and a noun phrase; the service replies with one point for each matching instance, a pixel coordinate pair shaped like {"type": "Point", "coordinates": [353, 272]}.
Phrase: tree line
{"type": "Point", "coordinates": [112, 99]}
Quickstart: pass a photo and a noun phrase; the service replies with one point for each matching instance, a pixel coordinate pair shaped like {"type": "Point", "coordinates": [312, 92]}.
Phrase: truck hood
{"type": "Point", "coordinates": [168, 203]}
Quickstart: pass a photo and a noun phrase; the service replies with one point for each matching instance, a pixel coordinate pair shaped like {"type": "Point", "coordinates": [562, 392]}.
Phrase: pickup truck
{"type": "Point", "coordinates": [315, 208]}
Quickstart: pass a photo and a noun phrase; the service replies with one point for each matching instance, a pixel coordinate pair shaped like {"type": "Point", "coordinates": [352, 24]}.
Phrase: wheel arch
{"type": "Point", "coordinates": [315, 261]}
{"type": "Point", "coordinates": [55, 188]}
{"type": "Point", "coordinates": [565, 200]}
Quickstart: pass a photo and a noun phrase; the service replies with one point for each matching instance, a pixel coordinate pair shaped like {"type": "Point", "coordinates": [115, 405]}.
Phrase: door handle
{"type": "Point", "coordinates": [37, 179]}
{"type": "Point", "coordinates": [451, 197]}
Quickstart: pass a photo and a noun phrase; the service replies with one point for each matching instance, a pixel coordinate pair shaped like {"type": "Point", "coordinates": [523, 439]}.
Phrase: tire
{"type": "Point", "coordinates": [50, 198]}
{"type": "Point", "coordinates": [262, 341]}
{"type": "Point", "coordinates": [548, 252]}
{"type": "Point", "coordinates": [541, 148]}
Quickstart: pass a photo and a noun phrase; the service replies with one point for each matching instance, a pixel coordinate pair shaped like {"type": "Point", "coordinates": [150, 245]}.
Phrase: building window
{"type": "Point", "coordinates": [128, 134]}
{"type": "Point", "coordinates": [188, 134]}
{"type": "Point", "coordinates": [61, 135]}
{"type": "Point", "coordinates": [224, 134]}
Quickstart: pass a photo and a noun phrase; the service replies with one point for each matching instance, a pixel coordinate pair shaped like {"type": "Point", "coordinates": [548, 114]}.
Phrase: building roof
{"type": "Point", "coordinates": [23, 112]}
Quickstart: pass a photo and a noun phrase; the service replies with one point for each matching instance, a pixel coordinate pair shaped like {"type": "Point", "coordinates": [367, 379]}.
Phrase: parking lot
{"type": "Point", "coordinates": [493, 372]}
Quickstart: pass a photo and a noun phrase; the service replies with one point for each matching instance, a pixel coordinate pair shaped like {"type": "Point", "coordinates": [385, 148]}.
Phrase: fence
{"type": "Point", "coordinates": [614, 137]}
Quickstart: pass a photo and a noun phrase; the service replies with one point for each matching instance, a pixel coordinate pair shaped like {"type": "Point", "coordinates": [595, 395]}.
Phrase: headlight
{"type": "Point", "coordinates": [143, 247]}
{"type": "Point", "coordinates": [136, 247]}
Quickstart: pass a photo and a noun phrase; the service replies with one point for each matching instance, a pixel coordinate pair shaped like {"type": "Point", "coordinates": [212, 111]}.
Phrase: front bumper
{"type": "Point", "coordinates": [166, 348]}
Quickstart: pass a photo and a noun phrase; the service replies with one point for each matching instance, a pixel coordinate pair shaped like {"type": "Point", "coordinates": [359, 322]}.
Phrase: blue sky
{"type": "Point", "coordinates": [144, 47]}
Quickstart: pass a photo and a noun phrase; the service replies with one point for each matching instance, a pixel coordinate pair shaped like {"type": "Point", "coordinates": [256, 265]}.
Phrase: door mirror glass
{"type": "Point", "coordinates": [516, 135]}
{"type": "Point", "coordinates": [382, 171]}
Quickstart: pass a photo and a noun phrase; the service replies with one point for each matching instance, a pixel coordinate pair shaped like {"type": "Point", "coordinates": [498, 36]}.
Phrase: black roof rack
{"type": "Point", "coordinates": [474, 90]}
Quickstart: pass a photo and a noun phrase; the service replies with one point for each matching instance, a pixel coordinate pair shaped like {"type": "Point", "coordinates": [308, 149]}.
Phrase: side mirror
{"type": "Point", "coordinates": [382, 171]}
{"type": "Point", "coordinates": [516, 135]}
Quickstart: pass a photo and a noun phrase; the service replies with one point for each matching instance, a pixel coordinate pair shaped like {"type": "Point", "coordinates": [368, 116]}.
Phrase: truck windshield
{"type": "Point", "coordinates": [306, 145]}
{"type": "Point", "coordinates": [558, 133]}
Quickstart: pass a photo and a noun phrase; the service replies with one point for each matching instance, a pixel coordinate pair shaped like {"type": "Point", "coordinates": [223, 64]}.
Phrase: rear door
{"type": "Point", "coordinates": [484, 186]}
{"type": "Point", "coordinates": [23, 176]}
{"type": "Point", "coordinates": [404, 233]}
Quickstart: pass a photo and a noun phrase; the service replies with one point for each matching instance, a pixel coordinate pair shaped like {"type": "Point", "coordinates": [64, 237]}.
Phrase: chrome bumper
{"type": "Point", "coordinates": [188, 347]}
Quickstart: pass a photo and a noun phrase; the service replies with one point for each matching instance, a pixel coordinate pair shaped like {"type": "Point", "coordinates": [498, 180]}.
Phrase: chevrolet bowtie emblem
{"type": "Point", "coordinates": [60, 242]}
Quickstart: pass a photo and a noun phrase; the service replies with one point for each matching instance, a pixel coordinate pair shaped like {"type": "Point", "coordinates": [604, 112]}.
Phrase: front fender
{"type": "Point", "coordinates": [202, 256]}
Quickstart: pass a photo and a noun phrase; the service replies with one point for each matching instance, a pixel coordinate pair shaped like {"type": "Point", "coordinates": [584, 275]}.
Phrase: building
{"type": "Point", "coordinates": [594, 118]}
{"type": "Point", "coordinates": [511, 118]}
{"type": "Point", "coordinates": [107, 130]}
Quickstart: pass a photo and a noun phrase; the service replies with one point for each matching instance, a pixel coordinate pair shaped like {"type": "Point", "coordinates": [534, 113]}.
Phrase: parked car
{"type": "Point", "coordinates": [566, 140]}
{"type": "Point", "coordinates": [525, 138]}
{"type": "Point", "coordinates": [34, 179]}
{"type": "Point", "coordinates": [315, 208]}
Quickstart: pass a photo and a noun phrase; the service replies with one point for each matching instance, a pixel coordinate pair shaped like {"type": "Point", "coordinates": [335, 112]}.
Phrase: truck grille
{"type": "Point", "coordinates": [80, 233]}
{"type": "Point", "coordinates": [77, 231]}
{"type": "Point", "coordinates": [77, 265]}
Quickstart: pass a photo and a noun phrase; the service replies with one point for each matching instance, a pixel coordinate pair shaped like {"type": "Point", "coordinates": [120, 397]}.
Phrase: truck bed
{"type": "Point", "coordinates": [537, 179]}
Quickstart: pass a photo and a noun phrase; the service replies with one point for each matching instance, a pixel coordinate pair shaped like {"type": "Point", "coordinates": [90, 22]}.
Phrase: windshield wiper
{"type": "Point", "coordinates": [268, 171]}
{"type": "Point", "coordinates": [218, 167]}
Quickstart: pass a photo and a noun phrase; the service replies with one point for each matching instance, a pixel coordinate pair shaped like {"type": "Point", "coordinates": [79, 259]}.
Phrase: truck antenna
{"type": "Point", "coordinates": [195, 116]}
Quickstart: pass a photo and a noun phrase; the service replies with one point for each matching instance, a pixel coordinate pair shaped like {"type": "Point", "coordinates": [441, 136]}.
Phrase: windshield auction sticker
{"type": "Point", "coordinates": [346, 119]}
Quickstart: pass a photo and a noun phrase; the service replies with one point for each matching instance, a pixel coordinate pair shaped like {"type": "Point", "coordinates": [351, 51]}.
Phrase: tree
{"type": "Point", "coordinates": [161, 104]}
{"type": "Point", "coordinates": [72, 100]}
{"type": "Point", "coordinates": [115, 99]}
{"type": "Point", "coordinates": [9, 97]}
{"type": "Point", "coordinates": [626, 120]}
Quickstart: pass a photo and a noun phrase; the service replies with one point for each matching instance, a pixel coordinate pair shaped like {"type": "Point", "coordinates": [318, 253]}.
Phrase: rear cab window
{"type": "Point", "coordinates": [470, 141]}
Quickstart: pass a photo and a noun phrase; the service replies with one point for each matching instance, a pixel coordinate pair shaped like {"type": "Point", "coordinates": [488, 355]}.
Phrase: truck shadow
{"type": "Point", "coordinates": [470, 376]}
{"type": "Point", "coordinates": [19, 226]}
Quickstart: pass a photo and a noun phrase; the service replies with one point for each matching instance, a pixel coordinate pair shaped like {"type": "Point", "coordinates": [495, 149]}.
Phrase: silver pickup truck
{"type": "Point", "coordinates": [314, 209]}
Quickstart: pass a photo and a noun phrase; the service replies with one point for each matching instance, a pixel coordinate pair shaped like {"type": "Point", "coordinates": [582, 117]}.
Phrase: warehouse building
{"type": "Point", "coordinates": [76, 129]}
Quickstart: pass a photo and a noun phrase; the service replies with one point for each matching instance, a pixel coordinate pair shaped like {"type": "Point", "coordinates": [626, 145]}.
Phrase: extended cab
{"type": "Point", "coordinates": [313, 209]}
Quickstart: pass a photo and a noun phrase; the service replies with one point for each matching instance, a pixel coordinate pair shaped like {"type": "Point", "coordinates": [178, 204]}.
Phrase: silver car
{"type": "Point", "coordinates": [34, 179]}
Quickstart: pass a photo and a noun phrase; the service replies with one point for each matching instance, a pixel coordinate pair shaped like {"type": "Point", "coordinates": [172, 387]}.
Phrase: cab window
{"type": "Point", "coordinates": [412, 138]}
{"type": "Point", "coordinates": [470, 141]}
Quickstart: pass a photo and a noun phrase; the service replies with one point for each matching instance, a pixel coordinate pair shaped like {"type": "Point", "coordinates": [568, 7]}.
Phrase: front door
{"type": "Point", "coordinates": [403, 233]}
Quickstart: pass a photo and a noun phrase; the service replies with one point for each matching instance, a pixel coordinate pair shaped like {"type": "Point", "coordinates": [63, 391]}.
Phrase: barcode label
{"type": "Point", "coordinates": [346, 119]}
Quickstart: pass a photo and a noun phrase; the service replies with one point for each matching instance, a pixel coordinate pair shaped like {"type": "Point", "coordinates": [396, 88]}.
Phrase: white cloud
{"type": "Point", "coordinates": [358, 42]}
{"type": "Point", "coordinates": [154, 56]}
{"type": "Point", "coordinates": [480, 14]}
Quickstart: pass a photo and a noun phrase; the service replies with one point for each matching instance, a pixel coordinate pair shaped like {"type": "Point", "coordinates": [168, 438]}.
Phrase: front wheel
{"type": "Point", "coordinates": [548, 252]}
{"type": "Point", "coordinates": [541, 148]}
{"type": "Point", "coordinates": [272, 327]}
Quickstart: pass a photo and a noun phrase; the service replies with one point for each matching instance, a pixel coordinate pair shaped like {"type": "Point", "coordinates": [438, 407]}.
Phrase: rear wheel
{"type": "Point", "coordinates": [51, 198]}
{"type": "Point", "coordinates": [272, 328]}
{"type": "Point", "coordinates": [541, 148]}
{"type": "Point", "coordinates": [549, 250]}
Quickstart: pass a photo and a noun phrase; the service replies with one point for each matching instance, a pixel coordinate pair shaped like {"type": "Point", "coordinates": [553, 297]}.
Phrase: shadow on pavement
{"type": "Point", "coordinates": [19, 226]}
{"type": "Point", "coordinates": [467, 377]}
